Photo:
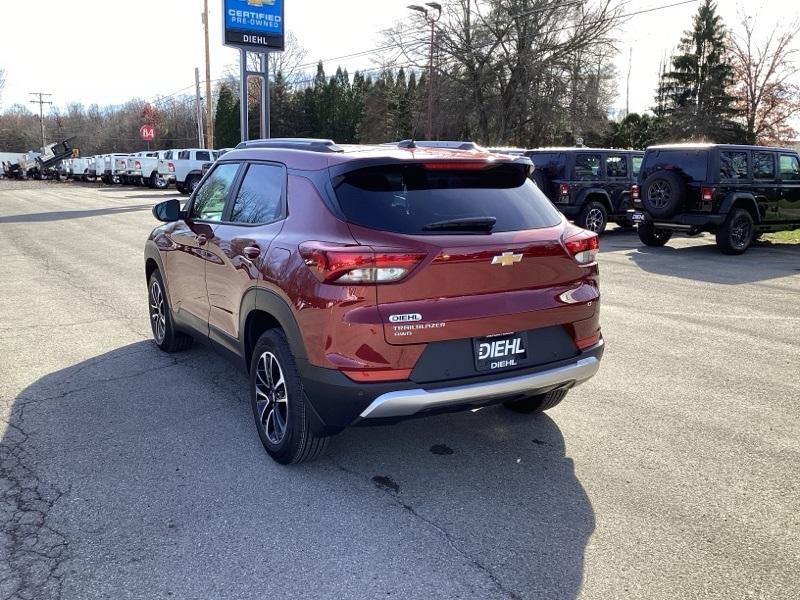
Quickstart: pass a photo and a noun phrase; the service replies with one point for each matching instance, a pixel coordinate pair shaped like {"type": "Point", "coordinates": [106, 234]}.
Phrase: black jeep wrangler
{"type": "Point", "coordinates": [735, 192]}
{"type": "Point", "coordinates": [590, 186]}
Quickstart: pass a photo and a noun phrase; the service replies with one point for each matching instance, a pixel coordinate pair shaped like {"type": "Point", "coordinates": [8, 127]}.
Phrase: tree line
{"type": "Point", "coordinates": [527, 73]}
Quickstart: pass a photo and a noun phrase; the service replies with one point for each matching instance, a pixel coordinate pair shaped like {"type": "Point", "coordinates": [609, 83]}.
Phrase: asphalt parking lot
{"type": "Point", "coordinates": [127, 473]}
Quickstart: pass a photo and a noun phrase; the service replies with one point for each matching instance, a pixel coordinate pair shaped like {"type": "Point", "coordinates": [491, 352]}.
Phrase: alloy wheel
{"type": "Point", "coordinates": [594, 220]}
{"type": "Point", "coordinates": [659, 194]}
{"type": "Point", "coordinates": [741, 231]}
{"type": "Point", "coordinates": [272, 399]}
{"type": "Point", "coordinates": [158, 316]}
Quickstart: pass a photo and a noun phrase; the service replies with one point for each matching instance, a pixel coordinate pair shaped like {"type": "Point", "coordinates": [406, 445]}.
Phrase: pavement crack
{"type": "Point", "coordinates": [395, 497]}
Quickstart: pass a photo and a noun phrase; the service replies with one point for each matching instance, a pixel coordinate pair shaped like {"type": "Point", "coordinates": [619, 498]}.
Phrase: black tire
{"type": "Point", "coordinates": [167, 338]}
{"type": "Point", "coordinates": [180, 187]}
{"type": "Point", "coordinates": [283, 402]}
{"type": "Point", "coordinates": [652, 236]}
{"type": "Point", "coordinates": [191, 183]}
{"type": "Point", "coordinates": [663, 194]}
{"type": "Point", "coordinates": [537, 404]}
{"type": "Point", "coordinates": [736, 234]}
{"type": "Point", "coordinates": [593, 217]}
{"type": "Point", "coordinates": [157, 183]}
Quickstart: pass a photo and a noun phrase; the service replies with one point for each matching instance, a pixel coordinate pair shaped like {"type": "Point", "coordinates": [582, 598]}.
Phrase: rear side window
{"type": "Point", "coordinates": [636, 162]}
{"type": "Point", "coordinates": [616, 166]}
{"type": "Point", "coordinates": [260, 197]}
{"type": "Point", "coordinates": [203, 155]}
{"type": "Point", "coordinates": [763, 165]}
{"type": "Point", "coordinates": [168, 155]}
{"type": "Point", "coordinates": [550, 163]}
{"type": "Point", "coordinates": [587, 167]}
{"type": "Point", "coordinates": [183, 155]}
{"type": "Point", "coordinates": [733, 165]}
{"type": "Point", "coordinates": [407, 198]}
{"type": "Point", "coordinates": [790, 168]}
{"type": "Point", "coordinates": [692, 163]}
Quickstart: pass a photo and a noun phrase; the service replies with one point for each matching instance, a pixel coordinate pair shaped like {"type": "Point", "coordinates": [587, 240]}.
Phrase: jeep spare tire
{"type": "Point", "coordinates": [663, 194]}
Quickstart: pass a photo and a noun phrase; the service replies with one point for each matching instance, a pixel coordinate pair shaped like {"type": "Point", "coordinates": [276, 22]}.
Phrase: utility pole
{"type": "Point", "coordinates": [41, 102]}
{"type": "Point", "coordinates": [628, 85]}
{"type": "Point", "coordinates": [198, 109]}
{"type": "Point", "coordinates": [435, 6]}
{"type": "Point", "coordinates": [209, 107]}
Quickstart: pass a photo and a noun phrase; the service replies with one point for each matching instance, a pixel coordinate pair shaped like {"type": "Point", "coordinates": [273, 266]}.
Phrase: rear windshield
{"type": "Point", "coordinates": [693, 163]}
{"type": "Point", "coordinates": [551, 163]}
{"type": "Point", "coordinates": [406, 198]}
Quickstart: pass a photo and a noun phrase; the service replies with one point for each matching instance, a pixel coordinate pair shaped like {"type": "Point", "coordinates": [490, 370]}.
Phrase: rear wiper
{"type": "Point", "coordinates": [469, 223]}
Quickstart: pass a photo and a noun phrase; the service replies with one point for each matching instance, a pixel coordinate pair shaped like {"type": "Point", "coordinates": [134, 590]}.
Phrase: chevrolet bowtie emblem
{"type": "Point", "coordinates": [507, 259]}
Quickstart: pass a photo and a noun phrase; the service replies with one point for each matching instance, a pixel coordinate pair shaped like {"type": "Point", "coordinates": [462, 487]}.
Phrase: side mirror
{"type": "Point", "coordinates": [168, 211]}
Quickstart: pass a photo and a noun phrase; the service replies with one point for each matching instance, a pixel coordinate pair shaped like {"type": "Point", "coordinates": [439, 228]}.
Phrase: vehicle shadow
{"type": "Point", "coordinates": [702, 261]}
{"type": "Point", "coordinates": [61, 215]}
{"type": "Point", "coordinates": [143, 472]}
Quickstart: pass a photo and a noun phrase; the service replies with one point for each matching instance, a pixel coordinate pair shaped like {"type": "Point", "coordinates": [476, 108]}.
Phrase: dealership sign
{"type": "Point", "coordinates": [254, 25]}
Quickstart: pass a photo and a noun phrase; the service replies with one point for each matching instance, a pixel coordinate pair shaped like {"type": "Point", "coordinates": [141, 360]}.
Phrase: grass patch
{"type": "Point", "coordinates": [784, 237]}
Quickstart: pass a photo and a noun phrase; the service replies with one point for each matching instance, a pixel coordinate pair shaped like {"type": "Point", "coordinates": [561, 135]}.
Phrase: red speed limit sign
{"type": "Point", "coordinates": [148, 132]}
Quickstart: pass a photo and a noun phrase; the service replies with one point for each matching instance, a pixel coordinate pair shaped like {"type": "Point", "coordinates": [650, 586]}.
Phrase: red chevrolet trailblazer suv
{"type": "Point", "coordinates": [365, 284]}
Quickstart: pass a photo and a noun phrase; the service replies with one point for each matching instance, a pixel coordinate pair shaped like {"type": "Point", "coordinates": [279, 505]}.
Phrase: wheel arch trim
{"type": "Point", "coordinates": [263, 300]}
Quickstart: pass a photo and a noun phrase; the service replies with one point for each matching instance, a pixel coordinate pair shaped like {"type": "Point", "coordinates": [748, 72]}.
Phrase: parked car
{"type": "Point", "coordinates": [591, 186]}
{"type": "Point", "coordinates": [96, 165]}
{"type": "Point", "coordinates": [371, 284]}
{"type": "Point", "coordinates": [143, 169]}
{"type": "Point", "coordinates": [735, 192]}
{"type": "Point", "coordinates": [187, 167]}
{"type": "Point", "coordinates": [78, 168]}
{"type": "Point", "coordinates": [115, 168]}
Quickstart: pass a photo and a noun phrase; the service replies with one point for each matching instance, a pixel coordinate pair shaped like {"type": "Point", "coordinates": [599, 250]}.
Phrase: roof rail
{"type": "Point", "coordinates": [452, 145]}
{"type": "Point", "coordinates": [310, 144]}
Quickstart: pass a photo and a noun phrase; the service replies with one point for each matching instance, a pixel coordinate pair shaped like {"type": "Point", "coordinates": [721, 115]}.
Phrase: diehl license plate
{"type": "Point", "coordinates": [500, 352]}
{"type": "Point", "coordinates": [637, 217]}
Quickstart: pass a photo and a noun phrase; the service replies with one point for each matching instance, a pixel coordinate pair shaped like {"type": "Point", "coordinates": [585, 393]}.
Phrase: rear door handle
{"type": "Point", "coordinates": [252, 252]}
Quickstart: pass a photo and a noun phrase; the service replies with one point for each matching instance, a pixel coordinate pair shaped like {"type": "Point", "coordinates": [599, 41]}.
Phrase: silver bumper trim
{"type": "Point", "coordinates": [405, 403]}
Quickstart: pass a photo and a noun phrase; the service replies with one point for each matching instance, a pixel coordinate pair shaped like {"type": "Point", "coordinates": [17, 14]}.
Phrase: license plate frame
{"type": "Point", "coordinates": [499, 352]}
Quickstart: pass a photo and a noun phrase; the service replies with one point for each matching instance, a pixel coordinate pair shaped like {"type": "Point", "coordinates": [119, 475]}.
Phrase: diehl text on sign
{"type": "Point", "coordinates": [255, 25]}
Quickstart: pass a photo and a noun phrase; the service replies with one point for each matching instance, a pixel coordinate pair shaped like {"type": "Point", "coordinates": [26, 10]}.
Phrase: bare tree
{"type": "Point", "coordinates": [765, 69]}
{"type": "Point", "coordinates": [2, 82]}
{"type": "Point", "coordinates": [523, 67]}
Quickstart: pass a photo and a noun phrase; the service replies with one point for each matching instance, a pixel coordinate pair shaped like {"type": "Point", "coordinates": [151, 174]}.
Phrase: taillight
{"type": "Point", "coordinates": [564, 189]}
{"type": "Point", "coordinates": [137, 165]}
{"type": "Point", "coordinates": [337, 263]}
{"type": "Point", "coordinates": [171, 167]}
{"type": "Point", "coordinates": [455, 166]}
{"type": "Point", "coordinates": [635, 192]}
{"type": "Point", "coordinates": [583, 246]}
{"type": "Point", "coordinates": [707, 194]}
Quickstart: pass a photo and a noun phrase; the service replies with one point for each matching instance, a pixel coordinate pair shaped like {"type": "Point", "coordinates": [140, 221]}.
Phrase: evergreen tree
{"type": "Point", "coordinates": [695, 94]}
{"type": "Point", "coordinates": [226, 118]}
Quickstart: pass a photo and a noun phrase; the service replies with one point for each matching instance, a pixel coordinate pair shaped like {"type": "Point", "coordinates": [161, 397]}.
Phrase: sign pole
{"type": "Point", "coordinates": [243, 120]}
{"type": "Point", "coordinates": [265, 128]}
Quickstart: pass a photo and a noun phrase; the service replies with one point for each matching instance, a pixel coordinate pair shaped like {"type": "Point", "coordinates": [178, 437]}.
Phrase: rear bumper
{"type": "Point", "coordinates": [337, 402]}
{"type": "Point", "coordinates": [407, 403]}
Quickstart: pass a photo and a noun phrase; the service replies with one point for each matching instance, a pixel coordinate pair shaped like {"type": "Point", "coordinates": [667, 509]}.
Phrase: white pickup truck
{"type": "Point", "coordinates": [115, 167]}
{"type": "Point", "coordinates": [95, 167]}
{"type": "Point", "coordinates": [143, 169]}
{"type": "Point", "coordinates": [78, 168]}
{"type": "Point", "coordinates": [185, 167]}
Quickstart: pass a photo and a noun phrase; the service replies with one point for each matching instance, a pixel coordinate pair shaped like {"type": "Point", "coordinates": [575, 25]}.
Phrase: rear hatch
{"type": "Point", "coordinates": [485, 250]}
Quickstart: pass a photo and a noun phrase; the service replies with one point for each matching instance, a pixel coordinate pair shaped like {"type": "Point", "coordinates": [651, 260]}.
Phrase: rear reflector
{"type": "Point", "coordinates": [582, 246]}
{"type": "Point", "coordinates": [708, 194]}
{"type": "Point", "coordinates": [564, 189]}
{"type": "Point", "coordinates": [455, 166]}
{"type": "Point", "coordinates": [635, 192]}
{"type": "Point", "coordinates": [379, 375]}
{"type": "Point", "coordinates": [585, 343]}
{"type": "Point", "coordinates": [337, 263]}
